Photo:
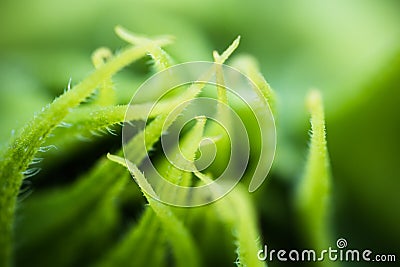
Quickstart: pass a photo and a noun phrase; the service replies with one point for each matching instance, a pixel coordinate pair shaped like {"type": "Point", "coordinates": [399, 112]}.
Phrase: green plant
{"type": "Point", "coordinates": [95, 212]}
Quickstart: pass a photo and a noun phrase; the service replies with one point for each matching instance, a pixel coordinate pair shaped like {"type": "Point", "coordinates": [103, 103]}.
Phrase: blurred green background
{"type": "Point", "coordinates": [350, 50]}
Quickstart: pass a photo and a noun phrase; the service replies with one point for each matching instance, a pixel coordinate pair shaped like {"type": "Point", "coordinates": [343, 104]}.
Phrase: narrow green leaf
{"type": "Point", "coordinates": [106, 95]}
{"type": "Point", "coordinates": [161, 59]}
{"type": "Point", "coordinates": [93, 117]}
{"type": "Point", "coordinates": [22, 149]}
{"type": "Point", "coordinates": [48, 213]}
{"type": "Point", "coordinates": [143, 238]}
{"type": "Point", "coordinates": [222, 116]}
{"type": "Point", "coordinates": [98, 221]}
{"type": "Point", "coordinates": [182, 159]}
{"type": "Point", "coordinates": [85, 122]}
{"type": "Point", "coordinates": [313, 194]}
{"type": "Point", "coordinates": [183, 245]}
{"type": "Point", "coordinates": [245, 227]}
{"type": "Point", "coordinates": [249, 66]}
{"type": "Point", "coordinates": [220, 59]}
{"type": "Point", "coordinates": [221, 90]}
{"type": "Point", "coordinates": [237, 212]}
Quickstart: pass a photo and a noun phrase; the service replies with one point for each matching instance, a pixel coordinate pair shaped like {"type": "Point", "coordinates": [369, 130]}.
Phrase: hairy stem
{"type": "Point", "coordinates": [23, 148]}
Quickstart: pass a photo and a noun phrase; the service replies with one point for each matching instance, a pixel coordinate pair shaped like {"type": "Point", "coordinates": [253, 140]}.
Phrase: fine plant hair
{"type": "Point", "coordinates": [161, 233]}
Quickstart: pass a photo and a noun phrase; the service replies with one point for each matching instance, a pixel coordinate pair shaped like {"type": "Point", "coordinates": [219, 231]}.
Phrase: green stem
{"type": "Point", "coordinates": [236, 211]}
{"type": "Point", "coordinates": [23, 148]}
{"type": "Point", "coordinates": [314, 189]}
{"type": "Point", "coordinates": [182, 242]}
